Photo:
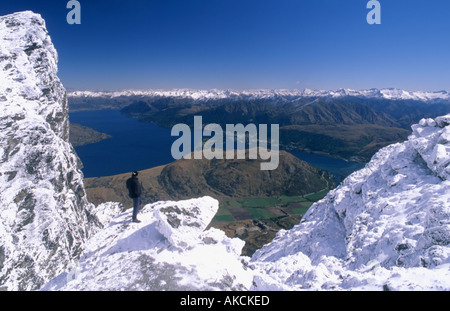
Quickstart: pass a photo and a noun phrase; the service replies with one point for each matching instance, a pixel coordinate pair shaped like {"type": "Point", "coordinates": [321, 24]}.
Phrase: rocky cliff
{"type": "Point", "coordinates": [44, 214]}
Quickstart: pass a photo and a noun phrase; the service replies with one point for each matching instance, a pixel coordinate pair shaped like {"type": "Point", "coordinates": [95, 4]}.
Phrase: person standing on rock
{"type": "Point", "coordinates": [135, 191]}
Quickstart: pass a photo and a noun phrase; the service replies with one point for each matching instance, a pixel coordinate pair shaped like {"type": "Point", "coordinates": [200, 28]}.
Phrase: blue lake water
{"type": "Point", "coordinates": [136, 145]}
{"type": "Point", "coordinates": [133, 146]}
{"type": "Point", "coordinates": [339, 168]}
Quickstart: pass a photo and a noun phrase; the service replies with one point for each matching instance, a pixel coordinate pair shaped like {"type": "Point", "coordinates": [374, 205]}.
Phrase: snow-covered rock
{"type": "Point", "coordinates": [386, 226]}
{"type": "Point", "coordinates": [152, 255]}
{"type": "Point", "coordinates": [182, 226]}
{"type": "Point", "coordinates": [106, 212]}
{"type": "Point", "coordinates": [45, 217]}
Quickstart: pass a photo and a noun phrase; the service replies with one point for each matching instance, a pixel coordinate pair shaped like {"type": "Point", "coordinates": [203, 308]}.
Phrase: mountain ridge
{"type": "Point", "coordinates": [309, 120]}
{"type": "Point", "coordinates": [222, 179]}
{"type": "Point", "coordinates": [385, 93]}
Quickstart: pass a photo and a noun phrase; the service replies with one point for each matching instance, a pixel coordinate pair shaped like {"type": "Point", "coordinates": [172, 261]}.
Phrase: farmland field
{"type": "Point", "coordinates": [257, 220]}
{"type": "Point", "coordinates": [266, 208]}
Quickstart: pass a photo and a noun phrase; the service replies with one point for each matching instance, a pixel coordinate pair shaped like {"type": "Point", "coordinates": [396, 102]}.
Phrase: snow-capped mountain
{"type": "Point", "coordinates": [386, 226]}
{"type": "Point", "coordinates": [45, 217]}
{"type": "Point", "coordinates": [202, 95]}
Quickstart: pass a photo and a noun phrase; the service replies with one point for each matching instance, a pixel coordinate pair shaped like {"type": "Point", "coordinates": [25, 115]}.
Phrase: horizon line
{"type": "Point", "coordinates": [72, 90]}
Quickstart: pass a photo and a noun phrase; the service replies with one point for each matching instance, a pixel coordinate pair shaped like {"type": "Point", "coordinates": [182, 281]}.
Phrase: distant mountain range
{"type": "Point", "coordinates": [348, 124]}
{"type": "Point", "coordinates": [386, 93]}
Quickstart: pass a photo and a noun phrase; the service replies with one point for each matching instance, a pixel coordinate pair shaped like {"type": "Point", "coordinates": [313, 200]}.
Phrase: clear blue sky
{"type": "Point", "coordinates": [247, 44]}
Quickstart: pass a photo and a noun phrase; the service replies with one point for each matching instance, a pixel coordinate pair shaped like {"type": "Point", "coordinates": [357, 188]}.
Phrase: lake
{"type": "Point", "coordinates": [339, 168]}
{"type": "Point", "coordinates": [136, 145]}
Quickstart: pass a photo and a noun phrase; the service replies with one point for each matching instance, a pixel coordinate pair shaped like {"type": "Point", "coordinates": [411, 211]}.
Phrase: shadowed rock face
{"type": "Point", "coordinates": [44, 214]}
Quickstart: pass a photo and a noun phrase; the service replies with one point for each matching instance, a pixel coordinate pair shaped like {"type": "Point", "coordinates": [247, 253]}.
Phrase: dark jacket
{"type": "Point", "coordinates": [134, 187]}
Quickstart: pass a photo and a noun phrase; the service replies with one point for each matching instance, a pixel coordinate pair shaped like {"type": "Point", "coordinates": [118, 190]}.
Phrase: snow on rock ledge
{"type": "Point", "coordinates": [138, 256]}
{"type": "Point", "coordinates": [386, 226]}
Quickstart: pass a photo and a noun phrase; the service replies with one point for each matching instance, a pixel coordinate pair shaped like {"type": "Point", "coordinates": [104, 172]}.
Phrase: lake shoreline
{"type": "Point", "coordinates": [104, 158]}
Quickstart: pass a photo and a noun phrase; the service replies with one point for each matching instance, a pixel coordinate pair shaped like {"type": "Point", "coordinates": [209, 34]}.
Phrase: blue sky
{"type": "Point", "coordinates": [248, 44]}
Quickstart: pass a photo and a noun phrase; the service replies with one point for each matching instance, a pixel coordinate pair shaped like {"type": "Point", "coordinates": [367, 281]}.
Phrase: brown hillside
{"type": "Point", "coordinates": [221, 179]}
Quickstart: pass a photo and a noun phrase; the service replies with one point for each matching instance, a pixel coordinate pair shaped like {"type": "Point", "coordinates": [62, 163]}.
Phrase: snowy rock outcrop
{"type": "Point", "coordinates": [386, 227]}
{"type": "Point", "coordinates": [183, 226]}
{"type": "Point", "coordinates": [45, 217]}
{"type": "Point", "coordinates": [169, 250]}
